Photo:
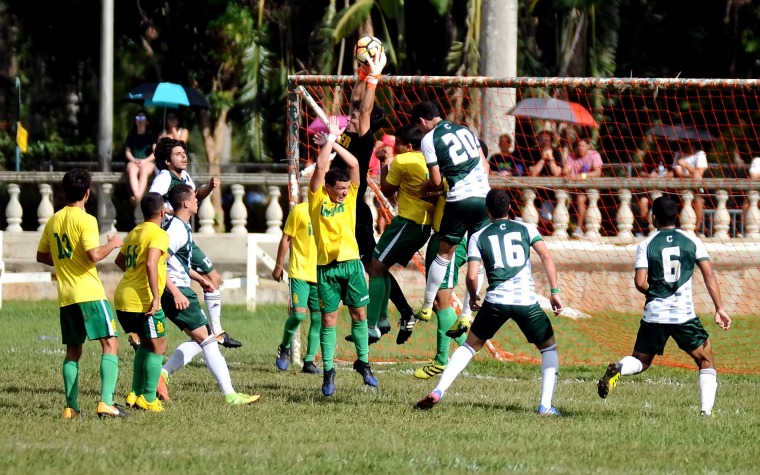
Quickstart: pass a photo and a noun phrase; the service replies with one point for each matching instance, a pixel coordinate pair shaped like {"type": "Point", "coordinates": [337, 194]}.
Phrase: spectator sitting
{"type": "Point", "coordinates": [139, 154]}
{"type": "Point", "coordinates": [582, 163]}
{"type": "Point", "coordinates": [691, 164]}
{"type": "Point", "coordinates": [656, 163]}
{"type": "Point", "coordinates": [174, 128]}
{"type": "Point", "coordinates": [543, 160]}
{"type": "Point", "coordinates": [503, 163]}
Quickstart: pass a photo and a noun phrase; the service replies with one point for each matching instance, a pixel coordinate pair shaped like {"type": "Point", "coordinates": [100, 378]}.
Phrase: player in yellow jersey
{"type": "Point", "coordinates": [302, 273]}
{"type": "Point", "coordinates": [340, 274]}
{"type": "Point", "coordinates": [71, 244]}
{"type": "Point", "coordinates": [406, 233]}
{"type": "Point", "coordinates": [138, 300]}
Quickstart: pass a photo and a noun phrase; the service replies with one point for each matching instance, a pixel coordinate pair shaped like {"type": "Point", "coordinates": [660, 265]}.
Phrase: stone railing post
{"type": "Point", "coordinates": [45, 210]}
{"type": "Point", "coordinates": [274, 212]}
{"type": "Point", "coordinates": [14, 213]}
{"type": "Point", "coordinates": [593, 215]}
{"type": "Point", "coordinates": [530, 213]}
{"type": "Point", "coordinates": [206, 216]}
{"type": "Point", "coordinates": [688, 215]}
{"type": "Point", "coordinates": [653, 195]}
{"type": "Point", "coordinates": [625, 216]}
{"type": "Point", "coordinates": [107, 209]}
{"type": "Point", "coordinates": [752, 218]}
{"type": "Point", "coordinates": [561, 216]}
{"type": "Point", "coordinates": [238, 211]}
{"type": "Point", "coordinates": [721, 219]}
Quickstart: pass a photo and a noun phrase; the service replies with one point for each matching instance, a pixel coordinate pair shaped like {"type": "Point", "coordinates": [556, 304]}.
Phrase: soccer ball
{"type": "Point", "coordinates": [367, 46]}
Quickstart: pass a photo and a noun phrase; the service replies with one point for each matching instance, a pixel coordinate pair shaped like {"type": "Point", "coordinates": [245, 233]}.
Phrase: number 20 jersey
{"type": "Point", "coordinates": [504, 248]}
{"type": "Point", "coordinates": [456, 151]}
{"type": "Point", "coordinates": [669, 256]}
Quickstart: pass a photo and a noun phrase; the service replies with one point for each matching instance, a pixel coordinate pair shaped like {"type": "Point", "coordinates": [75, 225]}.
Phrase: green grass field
{"type": "Point", "coordinates": [486, 423]}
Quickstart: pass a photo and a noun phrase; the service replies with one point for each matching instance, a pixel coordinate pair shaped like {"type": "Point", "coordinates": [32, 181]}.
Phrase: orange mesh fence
{"type": "Point", "coordinates": [695, 140]}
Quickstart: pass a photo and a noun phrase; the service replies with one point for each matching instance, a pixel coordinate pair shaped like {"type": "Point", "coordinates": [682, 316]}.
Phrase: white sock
{"type": "Point", "coordinates": [708, 385]}
{"type": "Point", "coordinates": [630, 365]}
{"type": "Point", "coordinates": [435, 277]}
{"type": "Point", "coordinates": [466, 311]}
{"type": "Point", "coordinates": [457, 363]}
{"type": "Point", "coordinates": [549, 370]}
{"type": "Point", "coordinates": [216, 363]}
{"type": "Point", "coordinates": [214, 306]}
{"type": "Point", "coordinates": [183, 355]}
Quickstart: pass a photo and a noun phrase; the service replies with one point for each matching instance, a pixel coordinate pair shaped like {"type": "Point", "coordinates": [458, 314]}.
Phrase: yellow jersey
{"type": "Point", "coordinates": [334, 226]}
{"type": "Point", "coordinates": [303, 250]}
{"type": "Point", "coordinates": [68, 235]}
{"type": "Point", "coordinates": [408, 171]}
{"type": "Point", "coordinates": [133, 293]}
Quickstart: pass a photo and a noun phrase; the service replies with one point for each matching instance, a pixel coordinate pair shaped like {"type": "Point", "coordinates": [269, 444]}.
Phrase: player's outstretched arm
{"type": "Point", "coordinates": [282, 250]}
{"type": "Point", "coordinates": [364, 90]}
{"type": "Point", "coordinates": [551, 274]}
{"type": "Point", "coordinates": [206, 189]}
{"type": "Point", "coordinates": [99, 253]}
{"type": "Point", "coordinates": [711, 282]}
{"type": "Point", "coordinates": [352, 164]}
{"type": "Point", "coordinates": [327, 142]}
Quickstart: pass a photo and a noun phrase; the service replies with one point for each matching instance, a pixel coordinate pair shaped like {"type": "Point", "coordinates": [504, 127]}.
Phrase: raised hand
{"type": "Point", "coordinates": [334, 125]}
{"type": "Point", "coordinates": [376, 64]}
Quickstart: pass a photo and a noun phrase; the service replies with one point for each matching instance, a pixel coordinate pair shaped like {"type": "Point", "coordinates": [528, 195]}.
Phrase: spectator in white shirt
{"type": "Point", "coordinates": [691, 164]}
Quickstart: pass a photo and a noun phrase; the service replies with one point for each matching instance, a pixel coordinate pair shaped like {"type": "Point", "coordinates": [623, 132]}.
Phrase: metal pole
{"type": "Point", "coordinates": [106, 211]}
{"type": "Point", "coordinates": [18, 121]}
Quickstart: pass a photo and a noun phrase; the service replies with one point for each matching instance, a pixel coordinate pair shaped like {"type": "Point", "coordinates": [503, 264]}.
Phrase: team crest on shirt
{"type": "Point", "coordinates": [295, 298]}
{"type": "Point", "coordinates": [330, 212]}
{"type": "Point", "coordinates": [159, 327]}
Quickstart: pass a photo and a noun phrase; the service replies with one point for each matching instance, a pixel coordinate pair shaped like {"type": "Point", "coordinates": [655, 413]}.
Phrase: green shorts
{"type": "Point", "coordinates": [344, 281]}
{"type": "Point", "coordinates": [533, 322]}
{"type": "Point", "coordinates": [452, 271]}
{"type": "Point", "coordinates": [304, 295]}
{"type": "Point", "coordinates": [191, 318]}
{"type": "Point", "coordinates": [652, 337]}
{"type": "Point", "coordinates": [199, 262]}
{"type": "Point", "coordinates": [401, 239]}
{"type": "Point", "coordinates": [150, 327]}
{"type": "Point", "coordinates": [462, 217]}
{"type": "Point", "coordinates": [94, 320]}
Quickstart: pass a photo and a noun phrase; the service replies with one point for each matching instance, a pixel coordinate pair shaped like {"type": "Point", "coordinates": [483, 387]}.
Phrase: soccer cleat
{"type": "Point", "coordinates": [705, 414]}
{"type": "Point", "coordinates": [227, 341]}
{"type": "Point", "coordinates": [383, 325]}
{"type": "Point", "coordinates": [428, 401]}
{"type": "Point", "coordinates": [131, 399]}
{"type": "Point", "coordinates": [405, 328]}
{"type": "Point", "coordinates": [111, 411]}
{"type": "Point", "coordinates": [373, 336]}
{"type": "Point", "coordinates": [155, 406]}
{"type": "Point", "coordinates": [310, 368]}
{"type": "Point", "coordinates": [70, 413]}
{"type": "Point", "coordinates": [460, 327]}
{"type": "Point", "coordinates": [548, 411]}
{"type": "Point", "coordinates": [240, 399]}
{"type": "Point", "coordinates": [281, 360]}
{"type": "Point", "coordinates": [134, 340]}
{"type": "Point", "coordinates": [424, 314]}
{"type": "Point", "coordinates": [428, 371]}
{"type": "Point", "coordinates": [162, 391]}
{"type": "Point", "coordinates": [328, 383]}
{"type": "Point", "coordinates": [609, 380]}
{"type": "Point", "coordinates": [364, 369]}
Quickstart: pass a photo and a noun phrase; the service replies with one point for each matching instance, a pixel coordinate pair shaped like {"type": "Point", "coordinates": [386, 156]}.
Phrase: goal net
{"type": "Point", "coordinates": [695, 140]}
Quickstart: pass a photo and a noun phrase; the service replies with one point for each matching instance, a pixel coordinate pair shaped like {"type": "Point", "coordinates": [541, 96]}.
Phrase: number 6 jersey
{"type": "Point", "coordinates": [669, 255]}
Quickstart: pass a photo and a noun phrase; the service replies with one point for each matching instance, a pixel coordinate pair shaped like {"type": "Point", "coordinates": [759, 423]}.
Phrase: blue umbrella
{"type": "Point", "coordinates": [167, 94]}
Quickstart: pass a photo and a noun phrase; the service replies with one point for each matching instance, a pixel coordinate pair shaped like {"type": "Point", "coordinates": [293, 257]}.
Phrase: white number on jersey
{"type": "Point", "coordinates": [463, 137]}
{"type": "Point", "coordinates": [512, 250]}
{"type": "Point", "coordinates": [671, 268]}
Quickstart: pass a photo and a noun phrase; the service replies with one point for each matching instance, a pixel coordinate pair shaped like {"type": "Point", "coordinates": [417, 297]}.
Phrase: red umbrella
{"type": "Point", "coordinates": [553, 109]}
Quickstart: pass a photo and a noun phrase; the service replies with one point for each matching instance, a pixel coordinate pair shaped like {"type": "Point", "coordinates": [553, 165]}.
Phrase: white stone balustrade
{"type": "Point", "coordinates": [45, 210]}
{"type": "Point", "coordinates": [625, 217]}
{"type": "Point", "coordinates": [238, 211]}
{"type": "Point", "coordinates": [274, 212]}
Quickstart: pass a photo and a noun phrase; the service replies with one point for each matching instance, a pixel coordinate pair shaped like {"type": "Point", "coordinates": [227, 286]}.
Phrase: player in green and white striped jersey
{"type": "Point", "coordinates": [665, 263]}
{"type": "Point", "coordinates": [503, 247]}
{"type": "Point", "coordinates": [453, 154]}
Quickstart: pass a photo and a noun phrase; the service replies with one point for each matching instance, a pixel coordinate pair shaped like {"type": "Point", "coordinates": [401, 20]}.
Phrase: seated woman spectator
{"type": "Point", "coordinates": [503, 163]}
{"type": "Point", "coordinates": [582, 163]}
{"type": "Point", "coordinates": [692, 164]}
{"type": "Point", "coordinates": [656, 163]}
{"type": "Point", "coordinates": [139, 154]}
{"type": "Point", "coordinates": [543, 160]}
{"type": "Point", "coordinates": [173, 127]}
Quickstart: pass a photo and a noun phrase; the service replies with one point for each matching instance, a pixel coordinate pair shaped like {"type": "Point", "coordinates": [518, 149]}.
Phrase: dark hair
{"type": "Point", "coordinates": [335, 175]}
{"type": "Point", "coordinates": [179, 194]}
{"type": "Point", "coordinates": [151, 205]}
{"type": "Point", "coordinates": [409, 135]}
{"type": "Point", "coordinates": [76, 182]}
{"type": "Point", "coordinates": [497, 203]}
{"type": "Point", "coordinates": [483, 147]}
{"type": "Point", "coordinates": [376, 117]}
{"type": "Point", "coordinates": [163, 151]}
{"type": "Point", "coordinates": [425, 110]}
{"type": "Point", "coordinates": [665, 210]}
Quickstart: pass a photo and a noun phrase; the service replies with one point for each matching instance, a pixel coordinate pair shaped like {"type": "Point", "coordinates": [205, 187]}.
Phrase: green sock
{"type": "Point", "coordinates": [361, 339]}
{"type": "Point", "coordinates": [461, 339]}
{"type": "Point", "coordinates": [376, 294]}
{"type": "Point", "coordinates": [327, 340]}
{"type": "Point", "coordinates": [312, 347]}
{"type": "Point", "coordinates": [291, 326]}
{"type": "Point", "coordinates": [446, 318]}
{"type": "Point", "coordinates": [71, 383]}
{"type": "Point", "coordinates": [386, 298]}
{"type": "Point", "coordinates": [152, 370]}
{"type": "Point", "coordinates": [109, 372]}
{"type": "Point", "coordinates": [138, 375]}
